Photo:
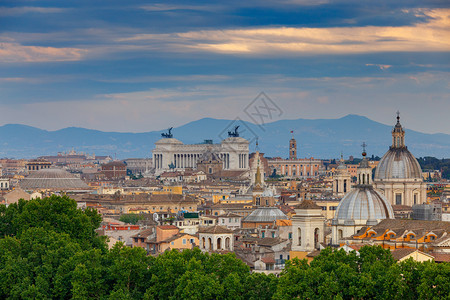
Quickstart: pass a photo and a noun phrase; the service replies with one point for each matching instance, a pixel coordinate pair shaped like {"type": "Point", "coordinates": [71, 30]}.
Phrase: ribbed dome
{"type": "Point", "coordinates": [363, 205]}
{"type": "Point", "coordinates": [398, 163]}
{"type": "Point", "coordinates": [53, 179]}
{"type": "Point", "coordinates": [266, 214]}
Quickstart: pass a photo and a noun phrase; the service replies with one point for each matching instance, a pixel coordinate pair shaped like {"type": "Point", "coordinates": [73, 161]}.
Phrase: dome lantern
{"type": "Point", "coordinates": [398, 135]}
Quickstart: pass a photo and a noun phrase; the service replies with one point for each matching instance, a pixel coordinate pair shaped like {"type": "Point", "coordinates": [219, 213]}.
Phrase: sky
{"type": "Point", "coordinates": [137, 66]}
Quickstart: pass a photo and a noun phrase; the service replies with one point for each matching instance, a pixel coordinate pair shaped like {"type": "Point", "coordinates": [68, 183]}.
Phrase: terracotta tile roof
{"type": "Point", "coordinates": [441, 257]}
{"type": "Point", "coordinates": [268, 260]}
{"type": "Point", "coordinates": [268, 241]}
{"type": "Point", "coordinates": [230, 215]}
{"type": "Point", "coordinates": [214, 229]}
{"type": "Point", "coordinates": [143, 234]}
{"type": "Point", "coordinates": [166, 227]}
{"type": "Point", "coordinates": [308, 204]}
{"type": "Point", "coordinates": [400, 253]}
{"type": "Point", "coordinates": [413, 225]}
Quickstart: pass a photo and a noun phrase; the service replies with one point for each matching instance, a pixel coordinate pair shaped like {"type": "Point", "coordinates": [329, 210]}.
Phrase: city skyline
{"type": "Point", "coordinates": [138, 67]}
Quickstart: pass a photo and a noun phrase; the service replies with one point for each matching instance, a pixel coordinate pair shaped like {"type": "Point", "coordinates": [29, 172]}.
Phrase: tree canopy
{"type": "Point", "coordinates": [49, 250]}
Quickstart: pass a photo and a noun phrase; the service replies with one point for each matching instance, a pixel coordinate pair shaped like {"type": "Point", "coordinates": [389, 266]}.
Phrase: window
{"type": "Point", "coordinates": [415, 198]}
{"type": "Point", "coordinates": [191, 240]}
{"type": "Point", "coordinates": [172, 243]}
{"type": "Point", "coordinates": [263, 234]}
{"type": "Point", "coordinates": [290, 235]}
{"type": "Point", "coordinates": [398, 199]}
{"type": "Point", "coordinates": [184, 242]}
{"type": "Point", "coordinates": [223, 221]}
{"type": "Point", "coordinates": [273, 234]}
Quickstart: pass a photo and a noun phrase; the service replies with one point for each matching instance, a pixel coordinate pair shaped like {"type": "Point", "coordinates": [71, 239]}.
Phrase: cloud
{"type": "Point", "coordinates": [13, 52]}
{"type": "Point", "coordinates": [13, 11]}
{"type": "Point", "coordinates": [382, 67]}
{"type": "Point", "coordinates": [432, 36]}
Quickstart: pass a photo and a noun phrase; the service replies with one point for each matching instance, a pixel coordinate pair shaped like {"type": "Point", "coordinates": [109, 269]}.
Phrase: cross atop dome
{"type": "Point", "coordinates": [364, 145]}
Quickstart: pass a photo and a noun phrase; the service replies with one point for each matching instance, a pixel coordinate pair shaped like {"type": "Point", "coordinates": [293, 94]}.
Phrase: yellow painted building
{"type": "Point", "coordinates": [175, 190]}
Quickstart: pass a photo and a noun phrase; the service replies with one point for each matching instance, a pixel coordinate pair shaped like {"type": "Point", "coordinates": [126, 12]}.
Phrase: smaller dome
{"type": "Point", "coordinates": [54, 179]}
{"type": "Point", "coordinates": [363, 206]}
{"type": "Point", "coordinates": [265, 214]}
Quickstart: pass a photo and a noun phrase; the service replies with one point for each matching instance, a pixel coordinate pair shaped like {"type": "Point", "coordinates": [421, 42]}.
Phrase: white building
{"type": "Point", "coordinates": [216, 238]}
{"type": "Point", "coordinates": [170, 152]}
{"type": "Point", "coordinates": [230, 220]}
{"type": "Point", "coordinates": [4, 183]}
{"type": "Point", "coordinates": [308, 226]}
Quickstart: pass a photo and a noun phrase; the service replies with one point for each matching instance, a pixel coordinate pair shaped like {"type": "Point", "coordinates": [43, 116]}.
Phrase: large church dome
{"type": "Point", "coordinates": [363, 206]}
{"type": "Point", "coordinates": [398, 162]}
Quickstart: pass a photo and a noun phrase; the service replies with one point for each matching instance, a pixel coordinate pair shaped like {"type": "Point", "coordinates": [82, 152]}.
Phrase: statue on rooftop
{"type": "Point", "coordinates": [169, 134]}
{"type": "Point", "coordinates": [234, 133]}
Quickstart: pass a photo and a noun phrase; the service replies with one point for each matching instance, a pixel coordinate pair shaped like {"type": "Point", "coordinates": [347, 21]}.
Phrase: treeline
{"type": "Point", "coordinates": [49, 250]}
{"type": "Point", "coordinates": [433, 163]}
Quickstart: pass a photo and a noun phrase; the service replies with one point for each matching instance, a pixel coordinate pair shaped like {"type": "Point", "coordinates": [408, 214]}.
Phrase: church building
{"type": "Point", "coordinates": [398, 175]}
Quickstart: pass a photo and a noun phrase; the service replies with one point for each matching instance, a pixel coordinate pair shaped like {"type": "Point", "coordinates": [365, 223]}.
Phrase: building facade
{"type": "Point", "coordinates": [170, 153]}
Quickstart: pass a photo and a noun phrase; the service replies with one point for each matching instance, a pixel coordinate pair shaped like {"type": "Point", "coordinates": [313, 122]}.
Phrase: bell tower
{"type": "Point", "coordinates": [292, 148]}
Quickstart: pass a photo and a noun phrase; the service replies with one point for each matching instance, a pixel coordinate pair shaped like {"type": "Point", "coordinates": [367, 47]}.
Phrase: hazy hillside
{"type": "Point", "coordinates": [321, 138]}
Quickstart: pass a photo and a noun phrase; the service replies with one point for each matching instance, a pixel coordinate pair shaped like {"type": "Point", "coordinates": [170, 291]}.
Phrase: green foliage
{"type": "Point", "coordinates": [59, 214]}
{"type": "Point", "coordinates": [49, 250]}
{"type": "Point", "coordinates": [130, 218]}
{"type": "Point", "coordinates": [433, 163]}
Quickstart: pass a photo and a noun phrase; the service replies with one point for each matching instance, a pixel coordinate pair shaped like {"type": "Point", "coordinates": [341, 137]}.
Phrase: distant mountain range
{"type": "Point", "coordinates": [320, 138]}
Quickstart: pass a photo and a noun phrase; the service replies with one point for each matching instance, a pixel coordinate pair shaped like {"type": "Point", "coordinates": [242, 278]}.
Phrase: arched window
{"type": "Point", "coordinates": [203, 243]}
{"type": "Point", "coordinates": [227, 244]}
{"type": "Point", "coordinates": [209, 244]}
{"type": "Point", "coordinates": [219, 244]}
{"type": "Point", "coordinates": [316, 238]}
{"type": "Point", "coordinates": [340, 234]}
{"type": "Point", "coordinates": [299, 237]}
